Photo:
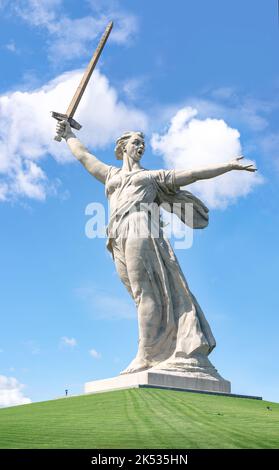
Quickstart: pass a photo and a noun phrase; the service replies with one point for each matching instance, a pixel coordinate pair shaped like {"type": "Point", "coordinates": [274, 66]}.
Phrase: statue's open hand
{"type": "Point", "coordinates": [63, 129]}
{"type": "Point", "coordinates": [236, 165]}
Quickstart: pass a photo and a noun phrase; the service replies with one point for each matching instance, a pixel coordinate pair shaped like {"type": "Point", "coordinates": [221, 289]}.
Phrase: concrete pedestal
{"type": "Point", "coordinates": [162, 379]}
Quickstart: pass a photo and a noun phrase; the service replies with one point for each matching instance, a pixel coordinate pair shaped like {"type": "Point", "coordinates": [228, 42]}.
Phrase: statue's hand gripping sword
{"type": "Point", "coordinates": [68, 116]}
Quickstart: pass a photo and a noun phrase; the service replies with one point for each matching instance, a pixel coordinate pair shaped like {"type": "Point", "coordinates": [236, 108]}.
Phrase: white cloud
{"type": "Point", "coordinates": [65, 341]}
{"type": "Point", "coordinates": [32, 347]}
{"type": "Point", "coordinates": [237, 109]}
{"type": "Point", "coordinates": [37, 12]}
{"type": "Point", "coordinates": [190, 142]}
{"type": "Point", "coordinates": [4, 189]}
{"type": "Point", "coordinates": [133, 88]}
{"type": "Point", "coordinates": [65, 45]}
{"type": "Point", "coordinates": [95, 354]}
{"type": "Point", "coordinates": [27, 130]}
{"type": "Point", "coordinates": [106, 305]}
{"type": "Point", "coordinates": [126, 26]}
{"type": "Point", "coordinates": [11, 393]}
{"type": "Point", "coordinates": [224, 93]}
{"type": "Point", "coordinates": [71, 37]}
{"type": "Point", "coordinates": [10, 46]}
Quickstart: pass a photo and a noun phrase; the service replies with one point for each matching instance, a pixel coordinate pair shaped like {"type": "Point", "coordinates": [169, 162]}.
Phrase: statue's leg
{"type": "Point", "coordinates": [120, 265]}
{"type": "Point", "coordinates": [147, 293]}
{"type": "Point", "coordinates": [138, 285]}
{"type": "Point", "coordinates": [142, 269]}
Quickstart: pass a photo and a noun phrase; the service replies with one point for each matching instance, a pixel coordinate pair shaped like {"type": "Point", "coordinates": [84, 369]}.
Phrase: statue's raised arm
{"type": "Point", "coordinates": [94, 166]}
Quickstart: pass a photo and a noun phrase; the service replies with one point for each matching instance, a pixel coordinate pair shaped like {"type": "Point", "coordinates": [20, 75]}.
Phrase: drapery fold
{"type": "Point", "coordinates": [171, 322]}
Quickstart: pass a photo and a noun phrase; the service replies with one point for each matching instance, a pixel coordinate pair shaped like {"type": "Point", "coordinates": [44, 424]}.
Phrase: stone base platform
{"type": "Point", "coordinates": [161, 379]}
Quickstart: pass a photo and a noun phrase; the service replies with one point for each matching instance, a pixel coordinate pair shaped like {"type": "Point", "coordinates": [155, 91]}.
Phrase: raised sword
{"type": "Point", "coordinates": [68, 116]}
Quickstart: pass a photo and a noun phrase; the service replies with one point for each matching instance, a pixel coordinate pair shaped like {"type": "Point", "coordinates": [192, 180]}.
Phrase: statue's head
{"type": "Point", "coordinates": [131, 143]}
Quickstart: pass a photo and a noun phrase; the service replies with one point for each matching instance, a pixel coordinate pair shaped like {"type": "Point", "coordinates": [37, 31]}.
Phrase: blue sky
{"type": "Point", "coordinates": [201, 79]}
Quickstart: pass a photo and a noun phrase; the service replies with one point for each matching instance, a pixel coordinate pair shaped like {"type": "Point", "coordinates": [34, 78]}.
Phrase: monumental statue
{"type": "Point", "coordinates": [174, 335]}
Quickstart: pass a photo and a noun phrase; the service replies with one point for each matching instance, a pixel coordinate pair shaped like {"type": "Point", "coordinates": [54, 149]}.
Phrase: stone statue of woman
{"type": "Point", "coordinates": [174, 334]}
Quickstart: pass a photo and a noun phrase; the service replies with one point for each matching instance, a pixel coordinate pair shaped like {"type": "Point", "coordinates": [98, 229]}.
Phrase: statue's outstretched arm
{"type": "Point", "coordinates": [183, 177]}
{"type": "Point", "coordinates": [96, 167]}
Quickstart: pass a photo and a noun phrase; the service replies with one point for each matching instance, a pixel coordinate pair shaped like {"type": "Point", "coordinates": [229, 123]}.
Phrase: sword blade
{"type": "Point", "coordinates": [88, 72]}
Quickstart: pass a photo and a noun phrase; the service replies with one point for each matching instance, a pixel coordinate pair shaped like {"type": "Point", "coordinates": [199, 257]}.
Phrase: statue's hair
{"type": "Point", "coordinates": [121, 142]}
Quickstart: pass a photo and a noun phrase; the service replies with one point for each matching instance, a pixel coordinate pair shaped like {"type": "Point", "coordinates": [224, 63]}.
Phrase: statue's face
{"type": "Point", "coordinates": [135, 147]}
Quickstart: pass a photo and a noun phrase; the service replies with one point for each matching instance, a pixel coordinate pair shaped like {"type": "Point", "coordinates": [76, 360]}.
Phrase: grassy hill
{"type": "Point", "coordinates": [141, 418]}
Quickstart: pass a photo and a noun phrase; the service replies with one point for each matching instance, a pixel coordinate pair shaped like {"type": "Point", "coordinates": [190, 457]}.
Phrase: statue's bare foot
{"type": "Point", "coordinates": [137, 365]}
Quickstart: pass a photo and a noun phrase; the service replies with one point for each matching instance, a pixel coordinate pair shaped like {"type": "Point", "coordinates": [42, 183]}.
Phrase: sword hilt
{"type": "Point", "coordinates": [64, 117]}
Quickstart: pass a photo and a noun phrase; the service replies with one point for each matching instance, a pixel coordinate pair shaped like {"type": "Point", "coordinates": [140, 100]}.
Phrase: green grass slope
{"type": "Point", "coordinates": [141, 418]}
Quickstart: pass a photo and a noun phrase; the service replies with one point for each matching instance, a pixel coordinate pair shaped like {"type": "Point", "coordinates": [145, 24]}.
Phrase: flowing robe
{"type": "Point", "coordinates": [171, 322]}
